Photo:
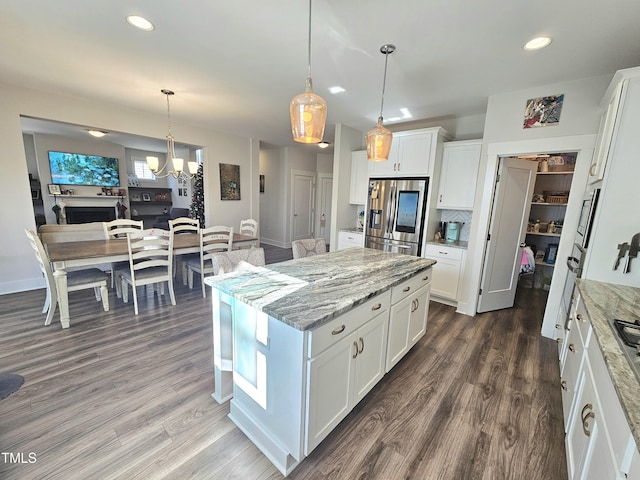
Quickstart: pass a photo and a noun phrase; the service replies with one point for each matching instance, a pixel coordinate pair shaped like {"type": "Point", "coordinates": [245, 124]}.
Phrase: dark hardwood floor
{"type": "Point", "coordinates": [123, 397]}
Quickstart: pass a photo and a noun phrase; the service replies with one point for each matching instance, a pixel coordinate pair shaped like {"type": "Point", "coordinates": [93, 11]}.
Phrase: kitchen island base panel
{"type": "Point", "coordinates": [271, 449]}
{"type": "Point", "coordinates": [222, 347]}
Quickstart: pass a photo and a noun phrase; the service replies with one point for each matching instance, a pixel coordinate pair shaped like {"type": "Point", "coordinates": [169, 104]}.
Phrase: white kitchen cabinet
{"type": "Point", "coordinates": [447, 271]}
{"type": "Point", "coordinates": [459, 175]}
{"type": "Point", "coordinates": [598, 436]}
{"type": "Point", "coordinates": [408, 317]}
{"type": "Point", "coordinates": [359, 178]}
{"type": "Point", "coordinates": [605, 133]}
{"type": "Point", "coordinates": [343, 373]}
{"type": "Point", "coordinates": [348, 239]}
{"type": "Point", "coordinates": [413, 153]}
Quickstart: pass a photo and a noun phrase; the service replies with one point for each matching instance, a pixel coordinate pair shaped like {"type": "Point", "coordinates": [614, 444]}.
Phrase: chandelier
{"type": "Point", "coordinates": [379, 137]}
{"type": "Point", "coordinates": [177, 163]}
{"type": "Point", "coordinates": [308, 111]}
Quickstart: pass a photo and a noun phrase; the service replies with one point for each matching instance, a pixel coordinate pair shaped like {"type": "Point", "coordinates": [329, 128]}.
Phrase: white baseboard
{"type": "Point", "coordinates": [22, 285]}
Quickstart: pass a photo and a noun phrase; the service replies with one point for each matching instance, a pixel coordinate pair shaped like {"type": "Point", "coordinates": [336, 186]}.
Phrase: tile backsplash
{"type": "Point", "coordinates": [463, 216]}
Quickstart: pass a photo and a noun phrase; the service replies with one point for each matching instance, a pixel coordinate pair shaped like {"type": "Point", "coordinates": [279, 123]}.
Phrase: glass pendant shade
{"type": "Point", "coordinates": [193, 167]}
{"type": "Point", "coordinates": [152, 162]}
{"type": "Point", "coordinates": [308, 116]}
{"type": "Point", "coordinates": [178, 164]}
{"type": "Point", "coordinates": [379, 143]}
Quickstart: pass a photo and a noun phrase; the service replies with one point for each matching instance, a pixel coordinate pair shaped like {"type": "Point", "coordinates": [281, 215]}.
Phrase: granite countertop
{"type": "Point", "coordinates": [604, 302]}
{"type": "Point", "coordinates": [459, 244]}
{"type": "Point", "coordinates": [308, 292]}
{"type": "Point", "coordinates": [352, 230]}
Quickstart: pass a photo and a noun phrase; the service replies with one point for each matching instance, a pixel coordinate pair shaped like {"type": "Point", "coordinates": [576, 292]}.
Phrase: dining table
{"type": "Point", "coordinates": [90, 253]}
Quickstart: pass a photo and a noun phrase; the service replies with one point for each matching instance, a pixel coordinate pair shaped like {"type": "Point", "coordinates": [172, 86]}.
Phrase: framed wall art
{"type": "Point", "coordinates": [229, 182]}
{"type": "Point", "coordinates": [543, 111]}
{"type": "Point", "coordinates": [54, 189]}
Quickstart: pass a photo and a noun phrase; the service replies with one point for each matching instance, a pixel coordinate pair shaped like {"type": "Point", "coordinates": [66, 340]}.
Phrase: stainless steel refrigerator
{"type": "Point", "coordinates": [396, 209]}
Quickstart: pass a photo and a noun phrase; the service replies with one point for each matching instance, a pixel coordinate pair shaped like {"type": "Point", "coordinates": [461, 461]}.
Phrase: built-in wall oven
{"type": "Point", "coordinates": [587, 213]}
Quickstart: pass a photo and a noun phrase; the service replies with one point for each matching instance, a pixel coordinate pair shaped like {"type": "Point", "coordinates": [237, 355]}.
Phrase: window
{"type": "Point", "coordinates": [142, 171]}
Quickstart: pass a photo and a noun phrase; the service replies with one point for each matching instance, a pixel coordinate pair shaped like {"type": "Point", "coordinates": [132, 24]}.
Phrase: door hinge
{"type": "Point", "coordinates": [497, 178]}
{"type": "Point", "coordinates": [488, 237]}
{"type": "Point", "coordinates": [480, 292]}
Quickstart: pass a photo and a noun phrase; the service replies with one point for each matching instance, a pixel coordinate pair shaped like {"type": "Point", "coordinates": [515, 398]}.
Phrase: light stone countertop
{"type": "Point", "coordinates": [604, 302]}
{"type": "Point", "coordinates": [459, 244]}
{"type": "Point", "coordinates": [308, 292]}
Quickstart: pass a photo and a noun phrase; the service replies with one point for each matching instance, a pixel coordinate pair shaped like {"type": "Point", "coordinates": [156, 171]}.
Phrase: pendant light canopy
{"type": "Point", "coordinates": [308, 110]}
{"type": "Point", "coordinates": [379, 138]}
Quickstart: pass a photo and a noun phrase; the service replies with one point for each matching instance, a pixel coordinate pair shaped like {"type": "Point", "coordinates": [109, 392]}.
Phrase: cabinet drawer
{"type": "Point", "coordinates": [413, 284]}
{"type": "Point", "coordinates": [442, 251]}
{"type": "Point", "coordinates": [323, 337]}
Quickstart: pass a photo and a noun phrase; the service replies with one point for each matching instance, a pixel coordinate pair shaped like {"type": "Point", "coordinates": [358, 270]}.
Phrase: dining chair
{"type": "Point", "coordinates": [308, 247]}
{"type": "Point", "coordinates": [76, 280]}
{"type": "Point", "coordinates": [118, 229]}
{"type": "Point", "coordinates": [150, 262]}
{"type": "Point", "coordinates": [184, 225]}
{"type": "Point", "coordinates": [212, 240]}
{"type": "Point", "coordinates": [226, 262]}
{"type": "Point", "coordinates": [248, 227]}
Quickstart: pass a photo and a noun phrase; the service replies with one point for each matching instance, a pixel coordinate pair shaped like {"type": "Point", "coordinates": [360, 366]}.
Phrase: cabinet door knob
{"type": "Point", "coordinates": [355, 350]}
{"type": "Point", "coordinates": [572, 347]}
{"type": "Point", "coordinates": [338, 330]}
{"type": "Point", "coordinates": [563, 385]}
{"type": "Point", "coordinates": [441, 197]}
{"type": "Point", "coordinates": [558, 341]}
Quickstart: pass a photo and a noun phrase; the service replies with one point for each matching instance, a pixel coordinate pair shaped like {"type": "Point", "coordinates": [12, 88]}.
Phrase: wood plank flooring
{"type": "Point", "coordinates": [123, 397]}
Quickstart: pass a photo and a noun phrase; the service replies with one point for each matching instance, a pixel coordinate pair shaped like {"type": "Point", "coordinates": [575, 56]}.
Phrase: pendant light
{"type": "Point", "coordinates": [308, 111]}
{"type": "Point", "coordinates": [178, 163]}
{"type": "Point", "coordinates": [379, 138]}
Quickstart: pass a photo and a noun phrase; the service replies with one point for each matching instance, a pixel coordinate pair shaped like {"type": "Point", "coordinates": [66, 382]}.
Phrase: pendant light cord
{"type": "Point", "coordinates": [384, 80]}
{"type": "Point", "coordinates": [309, 44]}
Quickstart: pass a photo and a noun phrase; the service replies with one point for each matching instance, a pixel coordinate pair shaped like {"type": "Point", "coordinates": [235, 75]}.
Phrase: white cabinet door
{"type": "Point", "coordinates": [570, 372]}
{"type": "Point", "coordinates": [350, 239]}
{"type": "Point", "coordinates": [359, 178]}
{"type": "Point", "coordinates": [605, 136]}
{"type": "Point", "coordinates": [329, 377]}
{"type": "Point", "coordinates": [412, 153]}
{"type": "Point", "coordinates": [369, 364]}
{"type": "Point", "coordinates": [418, 319]}
{"type": "Point", "coordinates": [447, 270]}
{"type": "Point", "coordinates": [460, 162]}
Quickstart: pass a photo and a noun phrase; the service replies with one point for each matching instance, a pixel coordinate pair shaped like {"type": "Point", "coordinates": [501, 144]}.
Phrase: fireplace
{"type": "Point", "coordinates": [90, 214]}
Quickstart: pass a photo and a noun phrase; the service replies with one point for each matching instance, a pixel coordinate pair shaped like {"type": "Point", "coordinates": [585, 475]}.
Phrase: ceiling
{"type": "Point", "coordinates": [235, 65]}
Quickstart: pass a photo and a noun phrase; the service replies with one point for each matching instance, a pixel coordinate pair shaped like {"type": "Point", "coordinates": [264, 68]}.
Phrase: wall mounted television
{"type": "Point", "coordinates": [78, 169]}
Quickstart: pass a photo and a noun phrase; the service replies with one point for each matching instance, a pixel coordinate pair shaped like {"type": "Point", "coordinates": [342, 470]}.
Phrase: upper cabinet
{"type": "Point", "coordinates": [605, 133]}
{"type": "Point", "coordinates": [459, 175]}
{"type": "Point", "coordinates": [413, 153]}
{"type": "Point", "coordinates": [359, 178]}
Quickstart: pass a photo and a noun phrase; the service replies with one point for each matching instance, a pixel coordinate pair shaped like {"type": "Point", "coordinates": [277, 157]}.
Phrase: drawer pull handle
{"type": "Point", "coordinates": [563, 385]}
{"type": "Point", "coordinates": [593, 170]}
{"type": "Point", "coordinates": [339, 330]}
{"type": "Point", "coordinates": [355, 350]}
{"type": "Point", "coordinates": [406, 289]}
{"type": "Point", "coordinates": [377, 306]}
{"type": "Point", "coordinates": [585, 426]}
{"type": "Point", "coordinates": [361, 345]}
{"type": "Point", "coordinates": [558, 341]}
{"type": "Point", "coordinates": [572, 347]}
{"type": "Point", "coordinates": [425, 278]}
{"type": "Point", "coordinates": [443, 253]}
{"type": "Point", "coordinates": [558, 326]}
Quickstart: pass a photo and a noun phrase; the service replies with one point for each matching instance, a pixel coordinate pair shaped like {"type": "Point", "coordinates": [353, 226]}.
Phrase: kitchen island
{"type": "Point", "coordinates": [298, 344]}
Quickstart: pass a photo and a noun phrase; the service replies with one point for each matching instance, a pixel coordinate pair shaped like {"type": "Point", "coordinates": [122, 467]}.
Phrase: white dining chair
{"type": "Point", "coordinates": [308, 247]}
{"type": "Point", "coordinates": [118, 229]}
{"type": "Point", "coordinates": [183, 225]}
{"type": "Point", "coordinates": [150, 263]}
{"type": "Point", "coordinates": [76, 280]}
{"type": "Point", "coordinates": [212, 240]}
{"type": "Point", "coordinates": [248, 227]}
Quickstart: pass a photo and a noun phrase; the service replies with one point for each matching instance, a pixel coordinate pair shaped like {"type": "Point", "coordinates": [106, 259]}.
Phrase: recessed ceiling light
{"type": "Point", "coordinates": [336, 89]}
{"type": "Point", "coordinates": [537, 43]}
{"type": "Point", "coordinates": [140, 22]}
{"type": "Point", "coordinates": [323, 144]}
{"type": "Point", "coordinates": [97, 133]}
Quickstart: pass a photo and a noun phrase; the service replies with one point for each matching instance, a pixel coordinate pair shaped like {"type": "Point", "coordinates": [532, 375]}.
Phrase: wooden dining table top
{"type": "Point", "coordinates": [64, 251]}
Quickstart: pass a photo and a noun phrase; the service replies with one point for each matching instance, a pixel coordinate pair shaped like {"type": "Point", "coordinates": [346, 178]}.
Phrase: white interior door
{"type": "Point", "coordinates": [507, 230]}
{"type": "Point", "coordinates": [325, 187]}
{"type": "Point", "coordinates": [303, 190]}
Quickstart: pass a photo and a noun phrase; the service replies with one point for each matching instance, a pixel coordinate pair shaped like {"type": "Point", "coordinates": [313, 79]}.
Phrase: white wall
{"type": "Point", "coordinates": [505, 115]}
{"type": "Point", "coordinates": [18, 268]}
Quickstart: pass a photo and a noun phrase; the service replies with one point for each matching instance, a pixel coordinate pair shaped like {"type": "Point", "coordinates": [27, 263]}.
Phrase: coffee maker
{"type": "Point", "coordinates": [452, 231]}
